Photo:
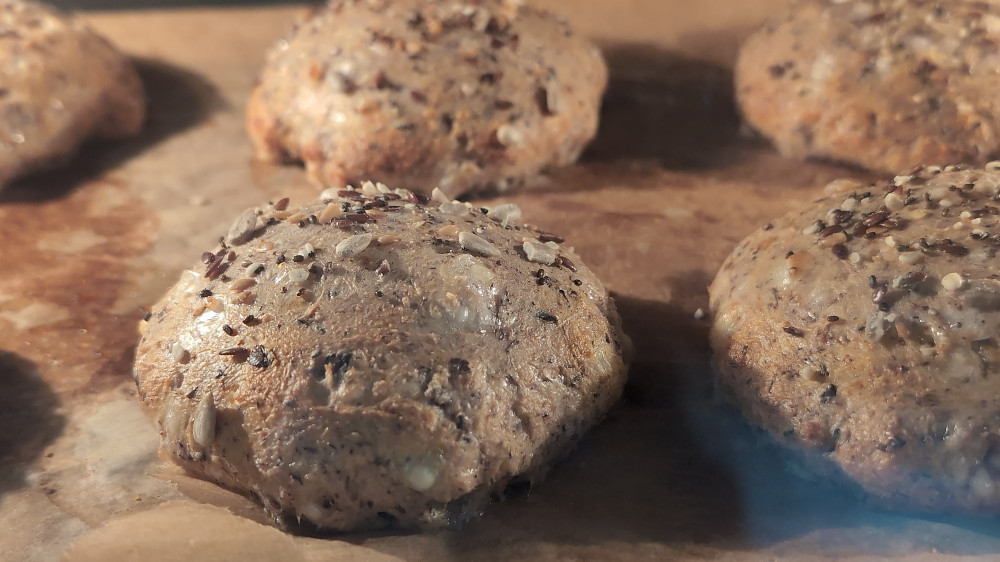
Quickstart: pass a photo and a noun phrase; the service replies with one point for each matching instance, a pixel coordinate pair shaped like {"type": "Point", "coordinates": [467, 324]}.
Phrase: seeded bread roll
{"type": "Point", "coordinates": [886, 84]}
{"type": "Point", "coordinates": [423, 93]}
{"type": "Point", "coordinates": [862, 330]}
{"type": "Point", "coordinates": [379, 359]}
{"type": "Point", "coordinates": [59, 84]}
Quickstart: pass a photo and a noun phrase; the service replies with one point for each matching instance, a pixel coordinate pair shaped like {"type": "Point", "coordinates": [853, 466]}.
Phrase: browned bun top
{"type": "Point", "coordinates": [885, 84]}
{"type": "Point", "coordinates": [421, 93]}
{"type": "Point", "coordinates": [380, 352]}
{"type": "Point", "coordinates": [60, 83]}
{"type": "Point", "coordinates": [863, 327]}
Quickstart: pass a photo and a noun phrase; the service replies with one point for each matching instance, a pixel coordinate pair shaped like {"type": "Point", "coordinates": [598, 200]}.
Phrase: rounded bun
{"type": "Point", "coordinates": [885, 84]}
{"type": "Point", "coordinates": [420, 93]}
{"type": "Point", "coordinates": [60, 83]}
{"type": "Point", "coordinates": [380, 358]}
{"type": "Point", "coordinates": [863, 330]}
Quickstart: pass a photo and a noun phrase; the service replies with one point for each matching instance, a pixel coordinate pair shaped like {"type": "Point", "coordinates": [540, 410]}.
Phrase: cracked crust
{"type": "Point", "coordinates": [420, 93]}
{"type": "Point", "coordinates": [60, 84]}
{"type": "Point", "coordinates": [885, 84]}
{"type": "Point", "coordinates": [862, 330]}
{"type": "Point", "coordinates": [379, 359]}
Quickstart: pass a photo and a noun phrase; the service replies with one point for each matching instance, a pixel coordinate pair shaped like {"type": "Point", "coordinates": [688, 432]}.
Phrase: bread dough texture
{"type": "Point", "coordinates": [422, 93]}
{"type": "Point", "coordinates": [884, 84]}
{"type": "Point", "coordinates": [863, 330]}
{"type": "Point", "coordinates": [60, 83]}
{"type": "Point", "coordinates": [379, 359]}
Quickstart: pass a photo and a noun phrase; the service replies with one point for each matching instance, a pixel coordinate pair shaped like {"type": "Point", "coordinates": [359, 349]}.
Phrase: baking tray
{"type": "Point", "coordinates": [670, 185]}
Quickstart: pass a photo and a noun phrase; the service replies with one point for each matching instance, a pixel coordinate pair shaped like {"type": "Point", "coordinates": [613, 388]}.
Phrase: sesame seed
{"type": "Point", "coordinates": [354, 245]}
{"type": "Point", "coordinates": [539, 253]}
{"type": "Point", "coordinates": [228, 330]}
{"type": "Point", "coordinates": [298, 275]}
{"type": "Point", "coordinates": [178, 353]}
{"type": "Point", "coordinates": [453, 208]}
{"type": "Point", "coordinates": [476, 244]}
{"type": "Point", "coordinates": [793, 331]}
{"type": "Point", "coordinates": [328, 214]}
{"type": "Point", "coordinates": [509, 135]}
{"type": "Point", "coordinates": [439, 196]}
{"type": "Point", "coordinates": [952, 282]}
{"type": "Point", "coordinates": [242, 230]}
{"type": "Point", "coordinates": [505, 213]}
{"type": "Point", "coordinates": [203, 426]}
{"type": "Point", "coordinates": [894, 202]}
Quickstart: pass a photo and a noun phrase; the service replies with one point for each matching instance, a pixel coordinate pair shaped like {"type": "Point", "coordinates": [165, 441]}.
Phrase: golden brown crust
{"type": "Point", "coordinates": [60, 83]}
{"type": "Point", "coordinates": [421, 93]}
{"type": "Point", "coordinates": [863, 330]}
{"type": "Point", "coordinates": [368, 360]}
{"type": "Point", "coordinates": [886, 84]}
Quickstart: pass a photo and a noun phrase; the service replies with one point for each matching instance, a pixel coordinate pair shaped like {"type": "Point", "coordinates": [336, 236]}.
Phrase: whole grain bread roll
{"type": "Point", "coordinates": [60, 84]}
{"type": "Point", "coordinates": [378, 358]}
{"type": "Point", "coordinates": [423, 93]}
{"type": "Point", "coordinates": [862, 330]}
{"type": "Point", "coordinates": [884, 84]}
